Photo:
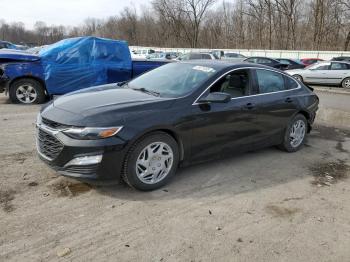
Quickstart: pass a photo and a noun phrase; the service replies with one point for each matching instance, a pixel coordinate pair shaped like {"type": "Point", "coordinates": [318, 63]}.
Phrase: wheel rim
{"type": "Point", "coordinates": [297, 133]}
{"type": "Point", "coordinates": [298, 78]}
{"type": "Point", "coordinates": [26, 94]}
{"type": "Point", "coordinates": [154, 162]}
{"type": "Point", "coordinates": [347, 83]}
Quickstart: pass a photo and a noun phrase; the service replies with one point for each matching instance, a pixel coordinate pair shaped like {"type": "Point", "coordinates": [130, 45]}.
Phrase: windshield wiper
{"type": "Point", "coordinates": [142, 89]}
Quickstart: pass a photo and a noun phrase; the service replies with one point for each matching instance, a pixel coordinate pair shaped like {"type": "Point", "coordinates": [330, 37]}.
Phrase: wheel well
{"type": "Point", "coordinates": [307, 116]}
{"type": "Point", "coordinates": [30, 77]}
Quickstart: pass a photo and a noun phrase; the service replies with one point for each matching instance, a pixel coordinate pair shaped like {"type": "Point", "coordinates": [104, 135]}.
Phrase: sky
{"type": "Point", "coordinates": [61, 12]}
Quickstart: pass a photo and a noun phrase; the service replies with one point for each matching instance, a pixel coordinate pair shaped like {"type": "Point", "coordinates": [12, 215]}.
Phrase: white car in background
{"type": "Point", "coordinates": [234, 57]}
{"type": "Point", "coordinates": [197, 56]}
{"type": "Point", "coordinates": [142, 53]}
{"type": "Point", "coordinates": [324, 73]}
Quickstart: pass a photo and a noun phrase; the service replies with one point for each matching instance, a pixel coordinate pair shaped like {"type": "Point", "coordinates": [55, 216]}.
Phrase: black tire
{"type": "Point", "coordinates": [37, 87]}
{"type": "Point", "coordinates": [129, 174]}
{"type": "Point", "coordinates": [286, 144]}
{"type": "Point", "coordinates": [346, 83]}
{"type": "Point", "coordinates": [299, 78]}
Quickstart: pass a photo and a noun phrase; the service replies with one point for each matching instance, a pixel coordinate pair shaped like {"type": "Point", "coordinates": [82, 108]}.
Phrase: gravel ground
{"type": "Point", "coordinates": [261, 206]}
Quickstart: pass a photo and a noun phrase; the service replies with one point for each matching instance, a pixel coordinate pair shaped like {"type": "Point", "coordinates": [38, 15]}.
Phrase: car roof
{"type": "Point", "coordinates": [224, 64]}
{"type": "Point", "coordinates": [286, 59]}
{"type": "Point", "coordinates": [262, 57]}
{"type": "Point", "coordinates": [327, 62]}
{"type": "Point", "coordinates": [311, 59]}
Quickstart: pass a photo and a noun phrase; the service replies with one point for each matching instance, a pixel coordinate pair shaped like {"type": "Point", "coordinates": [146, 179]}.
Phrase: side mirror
{"type": "Point", "coordinates": [216, 97]}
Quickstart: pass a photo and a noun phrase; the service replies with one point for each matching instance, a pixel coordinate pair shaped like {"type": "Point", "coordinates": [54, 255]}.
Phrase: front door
{"type": "Point", "coordinates": [219, 128]}
{"type": "Point", "coordinates": [317, 74]}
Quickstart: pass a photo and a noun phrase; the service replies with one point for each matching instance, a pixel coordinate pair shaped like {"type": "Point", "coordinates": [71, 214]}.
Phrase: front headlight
{"type": "Point", "coordinates": [92, 132]}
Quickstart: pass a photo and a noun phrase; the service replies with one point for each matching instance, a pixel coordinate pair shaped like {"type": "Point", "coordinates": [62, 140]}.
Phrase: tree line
{"type": "Point", "coordinates": [239, 24]}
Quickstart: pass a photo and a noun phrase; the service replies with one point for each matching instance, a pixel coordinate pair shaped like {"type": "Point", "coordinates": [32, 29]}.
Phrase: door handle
{"type": "Point", "coordinates": [249, 106]}
{"type": "Point", "coordinates": [288, 100]}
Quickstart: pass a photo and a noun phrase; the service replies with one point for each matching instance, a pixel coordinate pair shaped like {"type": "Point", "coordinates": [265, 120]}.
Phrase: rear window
{"type": "Point", "coordinates": [264, 61]}
{"type": "Point", "coordinates": [195, 56]}
{"type": "Point", "coordinates": [290, 83]}
{"type": "Point", "coordinates": [269, 81]}
{"type": "Point", "coordinates": [339, 66]}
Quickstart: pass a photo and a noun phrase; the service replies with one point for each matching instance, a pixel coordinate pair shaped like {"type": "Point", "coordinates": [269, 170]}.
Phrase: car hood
{"type": "Point", "coordinates": [102, 106]}
{"type": "Point", "coordinates": [17, 55]}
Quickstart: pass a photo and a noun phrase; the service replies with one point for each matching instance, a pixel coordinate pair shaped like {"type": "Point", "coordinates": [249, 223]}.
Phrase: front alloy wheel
{"type": "Point", "coordinates": [26, 94]}
{"type": "Point", "coordinates": [151, 161]}
{"type": "Point", "coordinates": [299, 78]}
{"type": "Point", "coordinates": [27, 91]}
{"type": "Point", "coordinates": [154, 163]}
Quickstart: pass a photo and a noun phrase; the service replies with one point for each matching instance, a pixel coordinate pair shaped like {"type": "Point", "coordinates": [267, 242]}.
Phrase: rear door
{"type": "Point", "coordinates": [275, 102]}
{"type": "Point", "coordinates": [338, 72]}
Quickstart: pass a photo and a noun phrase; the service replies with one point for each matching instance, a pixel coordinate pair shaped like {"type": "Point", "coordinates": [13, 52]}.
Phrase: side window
{"type": "Point", "coordinates": [251, 60]}
{"type": "Point", "coordinates": [206, 56]}
{"type": "Point", "coordinates": [322, 67]}
{"type": "Point", "coordinates": [264, 61]}
{"type": "Point", "coordinates": [287, 62]}
{"type": "Point", "coordinates": [269, 81]}
{"type": "Point", "coordinates": [290, 83]}
{"type": "Point", "coordinates": [235, 83]}
{"type": "Point", "coordinates": [195, 56]}
{"type": "Point", "coordinates": [339, 66]}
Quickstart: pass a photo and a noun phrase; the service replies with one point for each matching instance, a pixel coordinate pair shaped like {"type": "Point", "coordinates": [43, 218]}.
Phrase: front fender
{"type": "Point", "coordinates": [14, 71]}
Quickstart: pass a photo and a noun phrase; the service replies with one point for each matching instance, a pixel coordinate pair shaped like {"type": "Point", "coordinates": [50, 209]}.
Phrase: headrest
{"type": "Point", "coordinates": [236, 82]}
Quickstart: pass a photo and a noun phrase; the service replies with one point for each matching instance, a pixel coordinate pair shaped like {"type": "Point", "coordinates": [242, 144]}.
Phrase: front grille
{"type": "Point", "coordinates": [84, 170]}
{"type": "Point", "coordinates": [48, 145]}
{"type": "Point", "coordinates": [53, 124]}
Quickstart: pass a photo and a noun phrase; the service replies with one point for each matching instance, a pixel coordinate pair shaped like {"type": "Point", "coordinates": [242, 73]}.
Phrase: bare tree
{"type": "Point", "coordinates": [248, 24]}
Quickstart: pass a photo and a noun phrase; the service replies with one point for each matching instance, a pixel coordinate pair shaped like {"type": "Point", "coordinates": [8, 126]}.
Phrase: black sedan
{"type": "Point", "coordinates": [180, 113]}
{"type": "Point", "coordinates": [267, 62]}
{"type": "Point", "coordinates": [291, 63]}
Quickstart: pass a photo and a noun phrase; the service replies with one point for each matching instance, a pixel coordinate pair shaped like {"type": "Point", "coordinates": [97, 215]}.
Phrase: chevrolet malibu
{"type": "Point", "coordinates": [177, 114]}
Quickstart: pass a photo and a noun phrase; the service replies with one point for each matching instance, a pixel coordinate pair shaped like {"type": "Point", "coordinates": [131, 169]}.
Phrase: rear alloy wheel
{"type": "Point", "coordinates": [346, 83]}
{"type": "Point", "coordinates": [151, 162]}
{"type": "Point", "coordinates": [27, 91]}
{"type": "Point", "coordinates": [299, 78]}
{"type": "Point", "coordinates": [295, 134]}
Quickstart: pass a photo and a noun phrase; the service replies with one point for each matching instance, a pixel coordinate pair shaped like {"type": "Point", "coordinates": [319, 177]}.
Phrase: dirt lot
{"type": "Point", "coordinates": [261, 206]}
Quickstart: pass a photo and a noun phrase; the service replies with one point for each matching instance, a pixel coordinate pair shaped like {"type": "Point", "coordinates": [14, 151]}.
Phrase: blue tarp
{"type": "Point", "coordinates": [81, 62]}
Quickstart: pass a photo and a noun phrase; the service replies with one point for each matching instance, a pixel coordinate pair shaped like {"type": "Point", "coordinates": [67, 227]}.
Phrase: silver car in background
{"type": "Point", "coordinates": [324, 73]}
{"type": "Point", "coordinates": [234, 57]}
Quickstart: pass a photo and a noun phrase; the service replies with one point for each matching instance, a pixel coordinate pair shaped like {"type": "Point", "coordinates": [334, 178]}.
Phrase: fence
{"type": "Point", "coordinates": [326, 55]}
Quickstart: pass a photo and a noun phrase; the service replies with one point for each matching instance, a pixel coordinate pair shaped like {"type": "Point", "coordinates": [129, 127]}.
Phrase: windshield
{"type": "Point", "coordinates": [173, 80]}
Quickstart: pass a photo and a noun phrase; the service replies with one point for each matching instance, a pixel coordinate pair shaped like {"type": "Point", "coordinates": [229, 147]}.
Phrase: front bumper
{"type": "Point", "coordinates": [108, 169]}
